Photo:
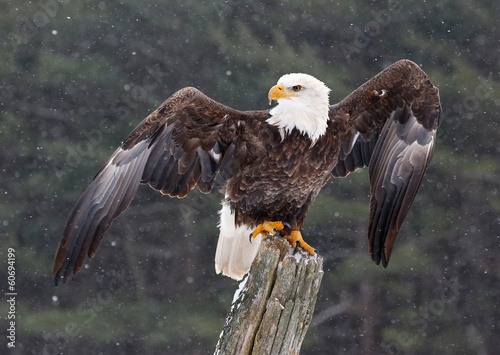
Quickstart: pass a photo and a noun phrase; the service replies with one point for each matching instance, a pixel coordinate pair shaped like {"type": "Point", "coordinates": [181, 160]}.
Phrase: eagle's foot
{"type": "Point", "coordinates": [267, 228]}
{"type": "Point", "coordinates": [295, 237]}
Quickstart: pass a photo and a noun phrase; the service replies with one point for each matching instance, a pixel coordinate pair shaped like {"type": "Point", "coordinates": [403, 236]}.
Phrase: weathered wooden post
{"type": "Point", "coordinates": [274, 305]}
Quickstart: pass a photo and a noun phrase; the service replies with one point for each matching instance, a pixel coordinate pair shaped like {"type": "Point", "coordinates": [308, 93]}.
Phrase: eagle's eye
{"type": "Point", "coordinates": [296, 88]}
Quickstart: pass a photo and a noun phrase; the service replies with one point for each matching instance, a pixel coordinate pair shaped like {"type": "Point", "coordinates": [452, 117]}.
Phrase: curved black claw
{"type": "Point", "coordinates": [297, 245]}
{"type": "Point", "coordinates": [250, 238]}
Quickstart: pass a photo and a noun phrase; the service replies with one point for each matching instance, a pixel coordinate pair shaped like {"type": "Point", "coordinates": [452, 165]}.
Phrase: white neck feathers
{"type": "Point", "coordinates": [309, 119]}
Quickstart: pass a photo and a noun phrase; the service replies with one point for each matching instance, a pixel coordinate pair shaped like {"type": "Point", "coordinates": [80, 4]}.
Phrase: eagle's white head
{"type": "Point", "coordinates": [302, 104]}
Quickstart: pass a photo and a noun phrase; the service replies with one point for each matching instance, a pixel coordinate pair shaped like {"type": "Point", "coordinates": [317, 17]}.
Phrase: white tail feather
{"type": "Point", "coordinates": [235, 253]}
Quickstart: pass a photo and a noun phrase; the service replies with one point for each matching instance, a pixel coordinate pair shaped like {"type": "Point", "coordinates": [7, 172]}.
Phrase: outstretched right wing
{"type": "Point", "coordinates": [183, 144]}
{"type": "Point", "coordinates": [391, 124]}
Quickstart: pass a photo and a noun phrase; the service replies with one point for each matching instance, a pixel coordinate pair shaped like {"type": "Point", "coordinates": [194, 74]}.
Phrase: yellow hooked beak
{"type": "Point", "coordinates": [278, 92]}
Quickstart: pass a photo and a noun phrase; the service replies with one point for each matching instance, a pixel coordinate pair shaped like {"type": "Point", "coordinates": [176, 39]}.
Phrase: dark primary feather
{"type": "Point", "coordinates": [178, 147]}
{"type": "Point", "coordinates": [392, 121]}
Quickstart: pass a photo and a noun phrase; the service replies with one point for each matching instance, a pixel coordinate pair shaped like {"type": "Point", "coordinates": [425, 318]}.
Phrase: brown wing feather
{"type": "Point", "coordinates": [181, 145]}
{"type": "Point", "coordinates": [391, 127]}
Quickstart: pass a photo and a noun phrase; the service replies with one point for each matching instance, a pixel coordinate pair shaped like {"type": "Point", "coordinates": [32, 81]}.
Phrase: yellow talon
{"type": "Point", "coordinates": [292, 238]}
{"type": "Point", "coordinates": [295, 237]}
{"type": "Point", "coordinates": [266, 228]}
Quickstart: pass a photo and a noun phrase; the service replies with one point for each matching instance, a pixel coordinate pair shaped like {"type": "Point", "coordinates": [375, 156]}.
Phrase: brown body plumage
{"type": "Point", "coordinates": [272, 170]}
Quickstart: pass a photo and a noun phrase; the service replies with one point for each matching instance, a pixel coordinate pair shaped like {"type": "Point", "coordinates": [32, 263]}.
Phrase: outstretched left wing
{"type": "Point", "coordinates": [390, 126]}
{"type": "Point", "coordinates": [183, 144]}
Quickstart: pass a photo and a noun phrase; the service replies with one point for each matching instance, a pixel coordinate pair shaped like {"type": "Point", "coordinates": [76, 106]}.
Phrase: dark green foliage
{"type": "Point", "coordinates": [76, 77]}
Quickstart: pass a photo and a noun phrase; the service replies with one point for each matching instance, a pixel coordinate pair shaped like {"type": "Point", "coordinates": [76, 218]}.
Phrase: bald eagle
{"type": "Point", "coordinates": [273, 162]}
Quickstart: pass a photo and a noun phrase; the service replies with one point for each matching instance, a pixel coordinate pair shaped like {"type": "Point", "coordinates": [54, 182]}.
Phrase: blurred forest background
{"type": "Point", "coordinates": [77, 76]}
